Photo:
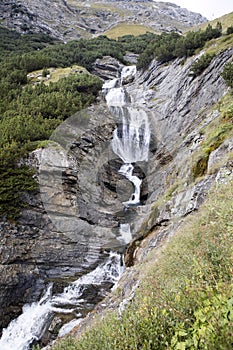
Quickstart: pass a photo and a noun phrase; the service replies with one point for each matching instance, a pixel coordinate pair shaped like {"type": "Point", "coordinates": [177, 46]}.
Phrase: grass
{"type": "Point", "coordinates": [112, 9]}
{"type": "Point", "coordinates": [55, 74]}
{"type": "Point", "coordinates": [215, 46]}
{"type": "Point", "coordinates": [186, 296]}
{"type": "Point", "coordinates": [127, 29]}
{"type": "Point", "coordinates": [226, 20]}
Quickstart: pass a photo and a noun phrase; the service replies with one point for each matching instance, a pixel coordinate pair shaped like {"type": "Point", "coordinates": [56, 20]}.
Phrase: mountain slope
{"type": "Point", "coordinates": [68, 20]}
{"type": "Point", "coordinates": [178, 292]}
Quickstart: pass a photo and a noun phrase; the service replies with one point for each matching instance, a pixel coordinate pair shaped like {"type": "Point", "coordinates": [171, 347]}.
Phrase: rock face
{"type": "Point", "coordinates": [107, 68]}
{"type": "Point", "coordinates": [73, 220]}
{"type": "Point", "coordinates": [68, 20]}
{"type": "Point", "coordinates": [180, 108]}
{"type": "Point", "coordinates": [65, 230]}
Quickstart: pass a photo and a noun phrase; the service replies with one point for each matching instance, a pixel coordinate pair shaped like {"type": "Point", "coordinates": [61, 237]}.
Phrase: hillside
{"type": "Point", "coordinates": [226, 21]}
{"type": "Point", "coordinates": [73, 19]}
{"type": "Point", "coordinates": [65, 214]}
{"type": "Point", "coordinates": [176, 292]}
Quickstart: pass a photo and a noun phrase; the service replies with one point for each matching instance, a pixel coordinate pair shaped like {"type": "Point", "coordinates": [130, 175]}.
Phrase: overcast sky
{"type": "Point", "coordinates": [209, 8]}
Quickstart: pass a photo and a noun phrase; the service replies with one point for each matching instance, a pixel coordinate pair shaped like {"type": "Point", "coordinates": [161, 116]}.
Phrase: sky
{"type": "Point", "coordinates": [208, 8]}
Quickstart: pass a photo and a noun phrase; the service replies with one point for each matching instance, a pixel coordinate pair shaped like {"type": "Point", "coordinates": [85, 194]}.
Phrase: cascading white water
{"type": "Point", "coordinates": [131, 143]}
{"type": "Point", "coordinates": [125, 233]}
{"type": "Point", "coordinates": [29, 326]}
{"type": "Point", "coordinates": [131, 139]}
{"type": "Point", "coordinates": [127, 171]}
{"type": "Point", "coordinates": [35, 319]}
{"type": "Point", "coordinates": [128, 71]}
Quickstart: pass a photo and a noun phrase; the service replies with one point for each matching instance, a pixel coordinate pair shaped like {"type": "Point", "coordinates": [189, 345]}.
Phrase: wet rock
{"type": "Point", "coordinates": [131, 57]}
{"type": "Point", "coordinates": [107, 68]}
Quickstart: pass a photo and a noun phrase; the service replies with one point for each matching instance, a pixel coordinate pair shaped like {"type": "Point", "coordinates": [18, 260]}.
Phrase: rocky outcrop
{"type": "Point", "coordinates": [67, 20]}
{"type": "Point", "coordinates": [107, 68]}
{"type": "Point", "coordinates": [64, 232]}
{"type": "Point", "coordinates": [179, 106]}
{"type": "Point", "coordinates": [177, 98]}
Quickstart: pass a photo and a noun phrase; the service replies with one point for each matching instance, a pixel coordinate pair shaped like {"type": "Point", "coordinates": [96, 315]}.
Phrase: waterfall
{"type": "Point", "coordinates": [131, 139]}
{"type": "Point", "coordinates": [36, 317]}
{"type": "Point", "coordinates": [130, 143]}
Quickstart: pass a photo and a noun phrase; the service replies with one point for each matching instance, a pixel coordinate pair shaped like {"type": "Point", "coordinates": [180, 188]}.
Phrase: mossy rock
{"type": "Point", "coordinates": [200, 167]}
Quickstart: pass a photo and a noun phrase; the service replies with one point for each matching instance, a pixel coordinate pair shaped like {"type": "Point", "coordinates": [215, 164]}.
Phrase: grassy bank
{"type": "Point", "coordinates": [186, 298]}
{"type": "Point", "coordinates": [123, 29]}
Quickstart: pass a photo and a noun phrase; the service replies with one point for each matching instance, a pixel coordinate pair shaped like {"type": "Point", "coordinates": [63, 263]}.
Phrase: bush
{"type": "Point", "coordinates": [227, 74]}
{"type": "Point", "coordinates": [201, 64]}
{"type": "Point", "coordinates": [229, 30]}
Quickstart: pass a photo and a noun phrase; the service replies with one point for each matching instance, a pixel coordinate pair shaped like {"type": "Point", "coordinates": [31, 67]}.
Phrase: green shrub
{"type": "Point", "coordinates": [201, 64]}
{"type": "Point", "coordinates": [230, 30]}
{"type": "Point", "coordinates": [227, 74]}
{"type": "Point", "coordinates": [212, 327]}
{"type": "Point", "coordinates": [166, 47]}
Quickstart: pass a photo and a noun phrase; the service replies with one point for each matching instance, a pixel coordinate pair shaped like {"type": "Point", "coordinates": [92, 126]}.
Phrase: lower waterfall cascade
{"type": "Point", "coordinates": [36, 317]}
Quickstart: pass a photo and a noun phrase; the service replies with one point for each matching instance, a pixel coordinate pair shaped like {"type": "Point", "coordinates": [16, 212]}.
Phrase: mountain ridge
{"type": "Point", "coordinates": [68, 20]}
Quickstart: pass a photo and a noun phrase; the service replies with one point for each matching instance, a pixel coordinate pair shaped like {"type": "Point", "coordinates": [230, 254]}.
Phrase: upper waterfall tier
{"type": "Point", "coordinates": [131, 139]}
{"type": "Point", "coordinates": [116, 97]}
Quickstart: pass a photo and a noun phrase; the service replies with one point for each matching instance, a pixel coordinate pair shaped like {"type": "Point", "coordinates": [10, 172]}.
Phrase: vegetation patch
{"type": "Point", "coordinates": [127, 29]}
{"type": "Point", "coordinates": [52, 75]}
{"type": "Point", "coordinates": [168, 46]}
{"type": "Point", "coordinates": [201, 64]}
{"type": "Point", "coordinates": [215, 46]}
{"type": "Point", "coordinates": [227, 74]}
{"type": "Point", "coordinates": [214, 135]}
{"type": "Point", "coordinates": [226, 22]}
{"type": "Point", "coordinates": [13, 42]}
{"type": "Point", "coordinates": [185, 300]}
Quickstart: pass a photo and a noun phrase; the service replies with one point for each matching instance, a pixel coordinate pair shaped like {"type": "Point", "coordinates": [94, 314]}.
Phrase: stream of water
{"type": "Point", "coordinates": [36, 317]}
{"type": "Point", "coordinates": [130, 143]}
{"type": "Point", "coordinates": [131, 139]}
